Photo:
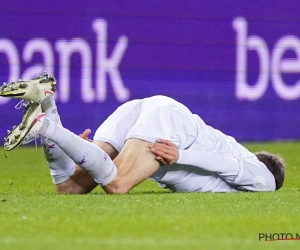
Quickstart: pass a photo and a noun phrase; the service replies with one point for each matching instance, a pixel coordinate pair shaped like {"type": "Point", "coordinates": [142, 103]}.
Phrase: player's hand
{"type": "Point", "coordinates": [85, 135]}
{"type": "Point", "coordinates": [166, 152]}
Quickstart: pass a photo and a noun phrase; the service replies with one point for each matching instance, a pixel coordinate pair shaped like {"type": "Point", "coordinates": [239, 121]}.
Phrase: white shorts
{"type": "Point", "coordinates": [149, 119]}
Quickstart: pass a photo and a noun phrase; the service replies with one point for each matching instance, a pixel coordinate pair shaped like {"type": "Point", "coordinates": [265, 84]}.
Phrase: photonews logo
{"type": "Point", "coordinates": [278, 236]}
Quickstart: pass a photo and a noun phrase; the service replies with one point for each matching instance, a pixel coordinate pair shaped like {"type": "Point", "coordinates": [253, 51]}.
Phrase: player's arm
{"type": "Point", "coordinates": [247, 175]}
{"type": "Point", "coordinates": [167, 153]}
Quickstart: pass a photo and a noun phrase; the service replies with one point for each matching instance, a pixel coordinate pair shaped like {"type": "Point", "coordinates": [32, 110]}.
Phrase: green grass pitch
{"type": "Point", "coordinates": [32, 216]}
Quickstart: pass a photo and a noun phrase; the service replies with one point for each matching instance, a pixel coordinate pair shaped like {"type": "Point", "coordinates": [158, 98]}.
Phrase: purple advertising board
{"type": "Point", "coordinates": [235, 63]}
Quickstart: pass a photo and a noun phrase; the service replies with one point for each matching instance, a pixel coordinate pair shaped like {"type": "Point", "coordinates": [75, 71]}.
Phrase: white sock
{"type": "Point", "coordinates": [85, 154]}
{"type": "Point", "coordinates": [49, 107]}
{"type": "Point", "coordinates": [61, 166]}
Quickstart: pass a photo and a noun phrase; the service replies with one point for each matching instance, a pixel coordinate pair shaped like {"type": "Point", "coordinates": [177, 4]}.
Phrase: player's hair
{"type": "Point", "coordinates": [275, 164]}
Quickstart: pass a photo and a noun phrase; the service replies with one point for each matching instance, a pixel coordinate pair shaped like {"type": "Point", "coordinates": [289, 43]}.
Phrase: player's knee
{"type": "Point", "coordinates": [68, 188]}
{"type": "Point", "coordinates": [117, 187]}
{"type": "Point", "coordinates": [60, 190]}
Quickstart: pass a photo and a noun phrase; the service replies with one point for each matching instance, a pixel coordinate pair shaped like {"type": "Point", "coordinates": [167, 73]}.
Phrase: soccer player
{"type": "Point", "coordinates": [193, 157]}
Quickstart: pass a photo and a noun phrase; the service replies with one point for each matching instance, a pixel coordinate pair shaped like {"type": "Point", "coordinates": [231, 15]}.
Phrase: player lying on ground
{"type": "Point", "coordinates": [124, 153]}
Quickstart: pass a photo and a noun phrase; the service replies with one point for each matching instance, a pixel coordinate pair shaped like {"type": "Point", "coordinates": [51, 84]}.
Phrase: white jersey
{"type": "Point", "coordinates": [210, 161]}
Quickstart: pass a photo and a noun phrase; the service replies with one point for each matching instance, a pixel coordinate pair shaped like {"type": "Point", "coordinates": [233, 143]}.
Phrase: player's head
{"type": "Point", "coordinates": [275, 164]}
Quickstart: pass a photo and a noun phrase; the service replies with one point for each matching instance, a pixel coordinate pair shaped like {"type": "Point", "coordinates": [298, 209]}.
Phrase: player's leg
{"type": "Point", "coordinates": [90, 157]}
{"type": "Point", "coordinates": [67, 177]}
{"type": "Point", "coordinates": [81, 182]}
{"type": "Point", "coordinates": [61, 166]}
{"type": "Point", "coordinates": [39, 92]}
{"type": "Point", "coordinates": [87, 155]}
{"type": "Point", "coordinates": [135, 163]}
